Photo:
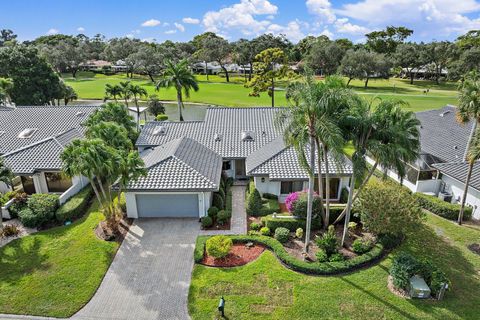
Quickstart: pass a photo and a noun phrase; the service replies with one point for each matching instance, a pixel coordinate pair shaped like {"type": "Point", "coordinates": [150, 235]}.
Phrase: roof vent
{"type": "Point", "coordinates": [218, 137]}
{"type": "Point", "coordinates": [80, 114]}
{"type": "Point", "coordinates": [159, 131]}
{"type": "Point", "coordinates": [455, 148]}
{"type": "Point", "coordinates": [444, 113]}
{"type": "Point", "coordinates": [247, 135]}
{"type": "Point", "coordinates": [27, 133]}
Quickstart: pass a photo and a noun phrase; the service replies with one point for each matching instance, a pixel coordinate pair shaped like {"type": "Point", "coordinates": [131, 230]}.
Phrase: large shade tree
{"type": "Point", "coordinates": [178, 76]}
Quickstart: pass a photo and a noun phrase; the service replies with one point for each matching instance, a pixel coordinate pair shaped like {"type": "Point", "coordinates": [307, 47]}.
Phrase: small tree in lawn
{"type": "Point", "coordinates": [387, 208]}
{"type": "Point", "coordinates": [254, 203]}
{"type": "Point", "coordinates": [271, 64]}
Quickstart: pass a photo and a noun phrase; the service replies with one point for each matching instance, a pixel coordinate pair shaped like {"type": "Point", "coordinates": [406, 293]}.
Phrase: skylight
{"type": "Point", "coordinates": [159, 131]}
{"type": "Point", "coordinates": [247, 135]}
{"type": "Point", "coordinates": [80, 114]}
{"type": "Point", "coordinates": [27, 133]}
{"type": "Point", "coordinates": [218, 137]}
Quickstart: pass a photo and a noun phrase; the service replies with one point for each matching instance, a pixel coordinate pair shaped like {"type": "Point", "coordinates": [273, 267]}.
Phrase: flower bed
{"type": "Point", "coordinates": [316, 268]}
{"type": "Point", "coordinates": [239, 255]}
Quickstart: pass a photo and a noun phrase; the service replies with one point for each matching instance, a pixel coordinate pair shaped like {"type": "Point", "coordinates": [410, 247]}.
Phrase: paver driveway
{"type": "Point", "coordinates": [150, 275]}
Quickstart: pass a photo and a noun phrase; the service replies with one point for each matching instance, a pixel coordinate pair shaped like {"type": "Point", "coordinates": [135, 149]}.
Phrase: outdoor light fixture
{"type": "Point", "coordinates": [263, 179]}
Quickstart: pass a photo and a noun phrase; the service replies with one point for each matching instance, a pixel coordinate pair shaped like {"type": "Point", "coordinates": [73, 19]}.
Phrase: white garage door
{"type": "Point", "coordinates": [167, 205]}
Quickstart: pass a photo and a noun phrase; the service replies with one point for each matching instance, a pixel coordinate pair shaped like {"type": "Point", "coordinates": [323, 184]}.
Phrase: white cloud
{"type": "Point", "coordinates": [292, 30]}
{"type": "Point", "coordinates": [81, 29]}
{"type": "Point", "coordinates": [166, 24]}
{"type": "Point", "coordinates": [189, 20]}
{"type": "Point", "coordinates": [342, 25]}
{"type": "Point", "coordinates": [52, 31]}
{"type": "Point", "coordinates": [149, 40]}
{"type": "Point", "coordinates": [322, 9]}
{"type": "Point", "coordinates": [171, 31]}
{"type": "Point", "coordinates": [151, 23]}
{"type": "Point", "coordinates": [179, 27]}
{"type": "Point", "coordinates": [241, 17]}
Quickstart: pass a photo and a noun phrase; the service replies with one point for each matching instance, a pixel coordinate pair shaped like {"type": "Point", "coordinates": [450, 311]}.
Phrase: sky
{"type": "Point", "coordinates": [180, 20]}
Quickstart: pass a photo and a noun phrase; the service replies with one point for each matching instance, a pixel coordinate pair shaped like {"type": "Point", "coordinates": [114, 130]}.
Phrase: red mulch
{"type": "Point", "coordinates": [239, 255]}
{"type": "Point", "coordinates": [283, 207]}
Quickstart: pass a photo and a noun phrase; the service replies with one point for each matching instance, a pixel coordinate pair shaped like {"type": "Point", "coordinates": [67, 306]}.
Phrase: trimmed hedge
{"type": "Point", "coordinates": [75, 207]}
{"type": "Point", "coordinates": [442, 208]}
{"type": "Point", "coordinates": [289, 223]}
{"type": "Point", "coordinates": [318, 268]}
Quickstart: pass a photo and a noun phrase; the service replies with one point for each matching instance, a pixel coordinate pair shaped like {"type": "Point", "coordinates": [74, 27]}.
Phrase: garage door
{"type": "Point", "coordinates": [167, 205]}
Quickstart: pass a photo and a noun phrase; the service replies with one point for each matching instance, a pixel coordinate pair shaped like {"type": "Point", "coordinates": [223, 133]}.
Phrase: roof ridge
{"type": "Point", "coordinates": [195, 170]}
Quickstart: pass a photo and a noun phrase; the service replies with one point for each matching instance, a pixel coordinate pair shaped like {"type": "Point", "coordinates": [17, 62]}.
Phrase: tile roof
{"type": "Point", "coordinates": [282, 163]}
{"type": "Point", "coordinates": [458, 171]}
{"type": "Point", "coordinates": [48, 120]}
{"type": "Point", "coordinates": [181, 164]}
{"type": "Point", "coordinates": [42, 155]}
{"type": "Point", "coordinates": [442, 136]}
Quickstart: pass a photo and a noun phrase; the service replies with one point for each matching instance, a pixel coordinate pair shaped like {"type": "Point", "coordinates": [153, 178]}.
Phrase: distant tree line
{"type": "Point", "coordinates": [38, 64]}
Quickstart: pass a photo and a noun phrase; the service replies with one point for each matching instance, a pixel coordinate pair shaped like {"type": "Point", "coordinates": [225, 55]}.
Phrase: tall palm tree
{"type": "Point", "coordinates": [112, 133]}
{"type": "Point", "coordinates": [180, 77]}
{"type": "Point", "coordinates": [131, 168]}
{"type": "Point", "coordinates": [473, 155]}
{"type": "Point", "coordinates": [469, 109]}
{"type": "Point", "coordinates": [137, 92]}
{"type": "Point", "coordinates": [125, 85]}
{"type": "Point", "coordinates": [6, 85]}
{"type": "Point", "coordinates": [389, 134]}
{"type": "Point", "coordinates": [113, 91]}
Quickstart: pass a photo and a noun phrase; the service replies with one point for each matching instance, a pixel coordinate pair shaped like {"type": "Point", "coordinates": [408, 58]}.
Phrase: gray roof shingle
{"type": "Point", "coordinates": [458, 171]}
{"type": "Point", "coordinates": [181, 164]}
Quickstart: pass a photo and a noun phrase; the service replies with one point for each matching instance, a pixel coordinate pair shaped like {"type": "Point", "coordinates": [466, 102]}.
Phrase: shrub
{"type": "Point", "coordinates": [352, 226]}
{"type": "Point", "coordinates": [282, 234]}
{"type": "Point", "coordinates": [222, 217]}
{"type": "Point", "coordinates": [28, 218]}
{"type": "Point", "coordinates": [344, 195]}
{"type": "Point", "coordinates": [265, 231]}
{"type": "Point", "coordinates": [43, 205]}
{"type": "Point", "coordinates": [290, 223]}
{"type": "Point", "coordinates": [299, 208]}
{"type": "Point", "coordinates": [161, 117]}
{"type": "Point", "coordinates": [390, 241]}
{"type": "Point", "coordinates": [206, 221]}
{"type": "Point", "coordinates": [219, 246]}
{"type": "Point", "coordinates": [299, 233]}
{"type": "Point", "coordinates": [321, 256]}
{"type": "Point", "coordinates": [290, 201]}
{"type": "Point", "coordinates": [212, 212]}
{"type": "Point", "coordinates": [437, 279]}
{"type": "Point", "coordinates": [255, 226]}
{"type": "Point", "coordinates": [270, 196]}
{"type": "Point", "coordinates": [217, 201]}
{"type": "Point", "coordinates": [221, 192]}
{"type": "Point", "coordinates": [360, 246]}
{"type": "Point", "coordinates": [404, 266]}
{"type": "Point", "coordinates": [386, 207]}
{"type": "Point", "coordinates": [9, 230]}
{"type": "Point", "coordinates": [254, 203]}
{"type": "Point", "coordinates": [336, 257]}
{"type": "Point", "coordinates": [328, 241]}
{"type": "Point", "coordinates": [269, 206]}
{"type": "Point", "coordinates": [75, 207]}
{"type": "Point", "coordinates": [19, 202]}
{"type": "Point", "coordinates": [442, 208]}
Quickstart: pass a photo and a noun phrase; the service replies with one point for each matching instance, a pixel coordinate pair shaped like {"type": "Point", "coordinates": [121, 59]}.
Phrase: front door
{"type": "Point", "coordinates": [240, 171]}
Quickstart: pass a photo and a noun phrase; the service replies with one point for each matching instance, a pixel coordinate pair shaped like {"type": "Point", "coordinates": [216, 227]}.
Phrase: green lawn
{"type": "Point", "coordinates": [217, 91]}
{"type": "Point", "coordinates": [55, 272]}
{"type": "Point", "coordinates": [265, 289]}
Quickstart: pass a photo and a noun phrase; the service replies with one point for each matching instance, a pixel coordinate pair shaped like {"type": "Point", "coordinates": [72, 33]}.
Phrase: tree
{"type": "Point", "coordinates": [362, 64]}
{"type": "Point", "coordinates": [118, 49]}
{"type": "Point", "coordinates": [112, 133]}
{"type": "Point", "coordinates": [217, 49]}
{"type": "Point", "coordinates": [155, 106]}
{"type": "Point", "coordinates": [270, 64]}
{"type": "Point", "coordinates": [407, 55]}
{"type": "Point", "coordinates": [469, 40]}
{"type": "Point", "coordinates": [147, 60]}
{"type": "Point", "coordinates": [245, 55]}
{"type": "Point", "coordinates": [125, 85]}
{"type": "Point", "coordinates": [180, 77]}
{"type": "Point", "coordinates": [437, 55]}
{"type": "Point", "coordinates": [386, 41]}
{"type": "Point", "coordinates": [7, 36]}
{"type": "Point", "coordinates": [469, 110]}
{"type": "Point", "coordinates": [131, 169]}
{"type": "Point", "coordinates": [325, 57]}
{"type": "Point", "coordinates": [68, 94]}
{"type": "Point", "coordinates": [137, 92]}
{"type": "Point", "coordinates": [463, 62]}
{"type": "Point", "coordinates": [388, 134]}
{"type": "Point", "coordinates": [6, 174]}
{"type": "Point", "coordinates": [113, 91]}
{"type": "Point", "coordinates": [6, 85]}
{"type": "Point", "coordinates": [34, 81]}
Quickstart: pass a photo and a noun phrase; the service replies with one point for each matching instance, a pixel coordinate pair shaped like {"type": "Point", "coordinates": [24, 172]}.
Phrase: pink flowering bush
{"type": "Point", "coordinates": [290, 201]}
{"type": "Point", "coordinates": [296, 203]}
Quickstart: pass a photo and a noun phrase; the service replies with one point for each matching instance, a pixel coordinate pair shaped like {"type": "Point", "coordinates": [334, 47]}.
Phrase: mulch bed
{"type": "Point", "coordinates": [474, 247]}
{"type": "Point", "coordinates": [104, 232]}
{"type": "Point", "coordinates": [396, 291]}
{"type": "Point", "coordinates": [215, 226]}
{"type": "Point", "coordinates": [239, 255]}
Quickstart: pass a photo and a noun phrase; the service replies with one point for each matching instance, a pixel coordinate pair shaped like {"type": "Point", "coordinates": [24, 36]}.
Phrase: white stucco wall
{"type": "Point", "coordinates": [456, 188]}
{"type": "Point", "coordinates": [204, 201]}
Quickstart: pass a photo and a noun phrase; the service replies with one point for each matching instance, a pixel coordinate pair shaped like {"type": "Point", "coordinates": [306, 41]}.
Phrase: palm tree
{"type": "Point", "coordinates": [137, 92]}
{"type": "Point", "coordinates": [469, 108]}
{"type": "Point", "coordinates": [125, 85]}
{"type": "Point", "coordinates": [181, 78]}
{"type": "Point", "coordinates": [113, 91]}
{"type": "Point", "coordinates": [131, 168]}
{"type": "Point", "coordinates": [112, 133]}
{"type": "Point", "coordinates": [389, 134]}
{"type": "Point", "coordinates": [6, 85]}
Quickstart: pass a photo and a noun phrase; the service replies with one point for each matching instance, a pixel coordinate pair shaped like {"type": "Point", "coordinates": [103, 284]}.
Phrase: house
{"type": "Point", "coordinates": [185, 161]}
{"type": "Point", "coordinates": [31, 141]}
{"type": "Point", "coordinates": [440, 169]}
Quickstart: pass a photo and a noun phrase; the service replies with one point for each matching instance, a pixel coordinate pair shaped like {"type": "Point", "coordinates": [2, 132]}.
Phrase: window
{"type": "Point", "coordinates": [334, 185]}
{"type": "Point", "coordinates": [427, 175]}
{"type": "Point", "coordinates": [27, 133]}
{"type": "Point", "coordinates": [287, 187]}
{"type": "Point", "coordinates": [57, 182]}
{"type": "Point", "coordinates": [28, 185]}
{"type": "Point", "coordinates": [227, 165]}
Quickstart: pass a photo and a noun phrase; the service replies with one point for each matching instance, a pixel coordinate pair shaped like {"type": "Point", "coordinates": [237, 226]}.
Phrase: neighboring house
{"type": "Point", "coordinates": [441, 169]}
{"type": "Point", "coordinates": [31, 141]}
{"type": "Point", "coordinates": [185, 161]}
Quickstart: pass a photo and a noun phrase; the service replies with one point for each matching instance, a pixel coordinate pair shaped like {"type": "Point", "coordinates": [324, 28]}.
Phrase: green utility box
{"type": "Point", "coordinates": [419, 288]}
